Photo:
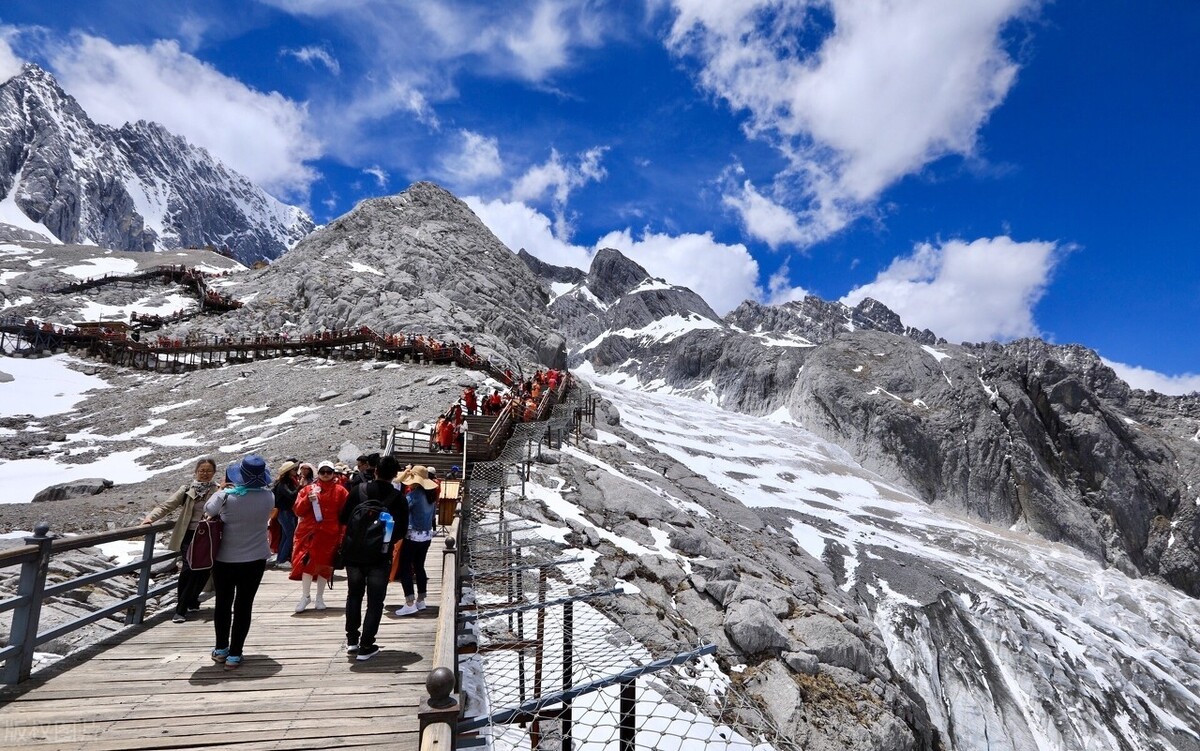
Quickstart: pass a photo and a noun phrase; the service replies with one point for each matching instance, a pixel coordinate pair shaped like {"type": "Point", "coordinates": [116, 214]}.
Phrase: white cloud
{"type": "Point", "coordinates": [560, 179]}
{"type": "Point", "coordinates": [521, 226]}
{"type": "Point", "coordinates": [10, 62]}
{"type": "Point", "coordinates": [724, 275]}
{"type": "Point", "coordinates": [1148, 380]}
{"type": "Point", "coordinates": [377, 172]}
{"type": "Point", "coordinates": [476, 160]}
{"type": "Point", "coordinates": [977, 291]}
{"type": "Point", "coordinates": [893, 86]}
{"type": "Point", "coordinates": [313, 54]}
{"type": "Point", "coordinates": [765, 219]}
{"type": "Point", "coordinates": [265, 136]}
{"type": "Point", "coordinates": [780, 289]}
{"type": "Point", "coordinates": [527, 39]}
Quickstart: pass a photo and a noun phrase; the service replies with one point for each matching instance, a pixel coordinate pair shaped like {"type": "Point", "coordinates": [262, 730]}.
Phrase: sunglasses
{"type": "Point", "coordinates": [325, 471]}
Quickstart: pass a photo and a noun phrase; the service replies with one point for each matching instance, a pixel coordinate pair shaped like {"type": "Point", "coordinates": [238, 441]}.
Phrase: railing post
{"type": "Point", "coordinates": [568, 671]}
{"type": "Point", "coordinates": [137, 613]}
{"type": "Point", "coordinates": [628, 731]}
{"type": "Point", "coordinates": [27, 615]}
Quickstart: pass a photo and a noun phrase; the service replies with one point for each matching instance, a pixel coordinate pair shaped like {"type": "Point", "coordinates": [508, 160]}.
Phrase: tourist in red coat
{"type": "Point", "coordinates": [318, 534]}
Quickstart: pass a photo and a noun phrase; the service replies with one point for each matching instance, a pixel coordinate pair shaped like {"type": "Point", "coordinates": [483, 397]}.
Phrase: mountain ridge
{"type": "Point", "coordinates": [137, 187]}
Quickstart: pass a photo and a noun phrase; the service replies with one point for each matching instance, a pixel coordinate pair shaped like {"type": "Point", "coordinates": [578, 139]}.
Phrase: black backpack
{"type": "Point", "coordinates": [363, 543]}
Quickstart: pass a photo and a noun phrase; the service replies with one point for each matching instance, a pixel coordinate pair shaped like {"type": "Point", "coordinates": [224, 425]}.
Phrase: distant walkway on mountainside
{"type": "Point", "coordinates": [114, 345]}
{"type": "Point", "coordinates": [192, 278]}
{"type": "Point", "coordinates": [155, 686]}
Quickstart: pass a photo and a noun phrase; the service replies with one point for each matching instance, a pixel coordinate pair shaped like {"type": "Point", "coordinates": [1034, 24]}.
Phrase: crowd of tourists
{"type": "Point", "coordinates": [376, 521]}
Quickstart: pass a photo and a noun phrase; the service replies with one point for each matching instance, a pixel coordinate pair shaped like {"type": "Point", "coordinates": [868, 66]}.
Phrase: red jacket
{"type": "Point", "coordinates": [316, 542]}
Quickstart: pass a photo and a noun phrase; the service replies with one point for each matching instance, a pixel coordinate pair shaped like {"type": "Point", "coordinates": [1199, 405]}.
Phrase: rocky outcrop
{"type": "Point", "coordinates": [816, 321]}
{"type": "Point", "coordinates": [73, 489]}
{"type": "Point", "coordinates": [804, 650]}
{"type": "Point", "coordinates": [134, 188]}
{"type": "Point", "coordinates": [417, 262]}
{"type": "Point", "coordinates": [1028, 433]}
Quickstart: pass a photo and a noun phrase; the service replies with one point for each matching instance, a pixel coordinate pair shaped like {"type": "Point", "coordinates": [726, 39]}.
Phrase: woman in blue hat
{"type": "Point", "coordinates": [242, 558]}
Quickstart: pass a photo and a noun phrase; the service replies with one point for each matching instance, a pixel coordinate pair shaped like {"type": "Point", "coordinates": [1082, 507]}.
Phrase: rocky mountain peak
{"type": "Point", "coordinates": [416, 262]}
{"type": "Point", "coordinates": [550, 272]}
{"type": "Point", "coordinates": [612, 274]}
{"type": "Point", "coordinates": [138, 187]}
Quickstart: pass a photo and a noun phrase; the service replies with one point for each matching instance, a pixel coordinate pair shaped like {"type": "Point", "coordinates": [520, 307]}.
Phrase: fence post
{"type": "Point", "coordinates": [137, 613]}
{"type": "Point", "coordinates": [628, 731]}
{"type": "Point", "coordinates": [27, 615]}
{"type": "Point", "coordinates": [568, 671]}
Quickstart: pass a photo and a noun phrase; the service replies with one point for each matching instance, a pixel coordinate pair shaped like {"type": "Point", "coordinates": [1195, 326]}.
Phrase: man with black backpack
{"type": "Point", "coordinates": [375, 517]}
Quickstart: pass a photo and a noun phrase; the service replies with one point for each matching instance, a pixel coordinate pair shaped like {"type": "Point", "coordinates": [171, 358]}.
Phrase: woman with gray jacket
{"type": "Point", "coordinates": [242, 557]}
{"type": "Point", "coordinates": [190, 500]}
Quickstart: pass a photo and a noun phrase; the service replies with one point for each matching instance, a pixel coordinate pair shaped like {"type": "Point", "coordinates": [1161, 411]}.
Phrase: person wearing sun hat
{"type": "Point", "coordinates": [318, 534]}
{"type": "Point", "coordinates": [418, 492]}
{"type": "Point", "coordinates": [242, 557]}
{"type": "Point", "coordinates": [287, 485]}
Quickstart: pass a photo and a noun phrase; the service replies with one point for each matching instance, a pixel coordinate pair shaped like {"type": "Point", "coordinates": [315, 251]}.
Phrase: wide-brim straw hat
{"type": "Point", "coordinates": [284, 468]}
{"type": "Point", "coordinates": [417, 476]}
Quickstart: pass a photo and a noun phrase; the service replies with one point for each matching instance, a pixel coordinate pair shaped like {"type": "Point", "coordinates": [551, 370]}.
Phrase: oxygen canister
{"type": "Point", "coordinates": [388, 525]}
{"type": "Point", "coordinates": [316, 503]}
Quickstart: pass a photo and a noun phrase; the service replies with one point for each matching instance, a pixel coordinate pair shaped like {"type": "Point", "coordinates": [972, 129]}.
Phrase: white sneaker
{"type": "Point", "coordinates": [300, 606]}
{"type": "Point", "coordinates": [406, 610]}
{"type": "Point", "coordinates": [320, 605]}
{"type": "Point", "coordinates": [420, 605]}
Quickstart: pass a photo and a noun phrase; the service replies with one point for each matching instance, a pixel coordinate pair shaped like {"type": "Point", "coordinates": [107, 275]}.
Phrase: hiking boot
{"type": "Point", "coordinates": [366, 653]}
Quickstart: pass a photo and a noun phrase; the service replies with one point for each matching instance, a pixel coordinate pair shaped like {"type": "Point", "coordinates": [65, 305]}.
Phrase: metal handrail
{"type": "Point", "coordinates": [34, 560]}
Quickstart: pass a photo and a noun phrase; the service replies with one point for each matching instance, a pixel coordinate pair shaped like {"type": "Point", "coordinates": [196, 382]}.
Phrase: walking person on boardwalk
{"type": "Point", "coordinates": [375, 518]}
{"type": "Point", "coordinates": [417, 493]}
{"type": "Point", "coordinates": [189, 499]}
{"type": "Point", "coordinates": [242, 558]}
{"type": "Point", "coordinates": [318, 534]}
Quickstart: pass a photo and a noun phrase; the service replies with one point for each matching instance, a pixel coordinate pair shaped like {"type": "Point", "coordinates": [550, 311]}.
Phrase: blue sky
{"type": "Point", "coordinates": [989, 169]}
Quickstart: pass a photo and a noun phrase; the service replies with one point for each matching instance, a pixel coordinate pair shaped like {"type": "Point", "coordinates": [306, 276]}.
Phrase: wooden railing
{"type": "Point", "coordinates": [439, 711]}
{"type": "Point", "coordinates": [32, 590]}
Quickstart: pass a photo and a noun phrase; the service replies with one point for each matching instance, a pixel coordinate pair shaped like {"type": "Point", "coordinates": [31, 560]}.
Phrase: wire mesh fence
{"type": "Point", "coordinates": [549, 662]}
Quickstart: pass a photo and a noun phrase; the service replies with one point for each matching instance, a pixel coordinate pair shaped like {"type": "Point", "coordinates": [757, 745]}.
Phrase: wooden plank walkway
{"type": "Point", "coordinates": [155, 686]}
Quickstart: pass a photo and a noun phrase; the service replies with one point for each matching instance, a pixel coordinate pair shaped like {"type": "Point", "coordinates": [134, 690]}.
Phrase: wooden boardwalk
{"type": "Point", "coordinates": [155, 686]}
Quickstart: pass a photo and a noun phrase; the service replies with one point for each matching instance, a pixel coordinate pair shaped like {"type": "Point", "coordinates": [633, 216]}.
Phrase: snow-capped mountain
{"type": "Point", "coordinates": [1025, 434]}
{"type": "Point", "coordinates": [137, 187]}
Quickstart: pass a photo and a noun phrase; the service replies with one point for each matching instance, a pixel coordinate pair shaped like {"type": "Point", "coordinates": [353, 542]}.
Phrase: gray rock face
{"type": "Point", "coordinates": [550, 272]}
{"type": "Point", "coordinates": [418, 262]}
{"type": "Point", "coordinates": [819, 321]}
{"type": "Point", "coordinates": [754, 629]}
{"type": "Point", "coordinates": [1028, 434]}
{"type": "Point", "coordinates": [73, 489]}
{"type": "Point", "coordinates": [1025, 433]}
{"type": "Point", "coordinates": [134, 188]}
{"type": "Point", "coordinates": [619, 296]}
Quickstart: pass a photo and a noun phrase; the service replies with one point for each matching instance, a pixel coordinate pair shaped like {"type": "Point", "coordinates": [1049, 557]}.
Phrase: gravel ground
{"type": "Point", "coordinates": [302, 407]}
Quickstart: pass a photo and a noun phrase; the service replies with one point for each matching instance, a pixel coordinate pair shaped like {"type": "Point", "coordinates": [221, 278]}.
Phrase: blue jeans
{"type": "Point", "coordinates": [287, 525]}
{"type": "Point", "coordinates": [372, 581]}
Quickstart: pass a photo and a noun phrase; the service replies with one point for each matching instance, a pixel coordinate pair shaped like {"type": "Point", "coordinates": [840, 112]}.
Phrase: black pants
{"type": "Point", "coordinates": [191, 583]}
{"type": "Point", "coordinates": [412, 567]}
{"type": "Point", "coordinates": [236, 585]}
{"type": "Point", "coordinates": [373, 581]}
